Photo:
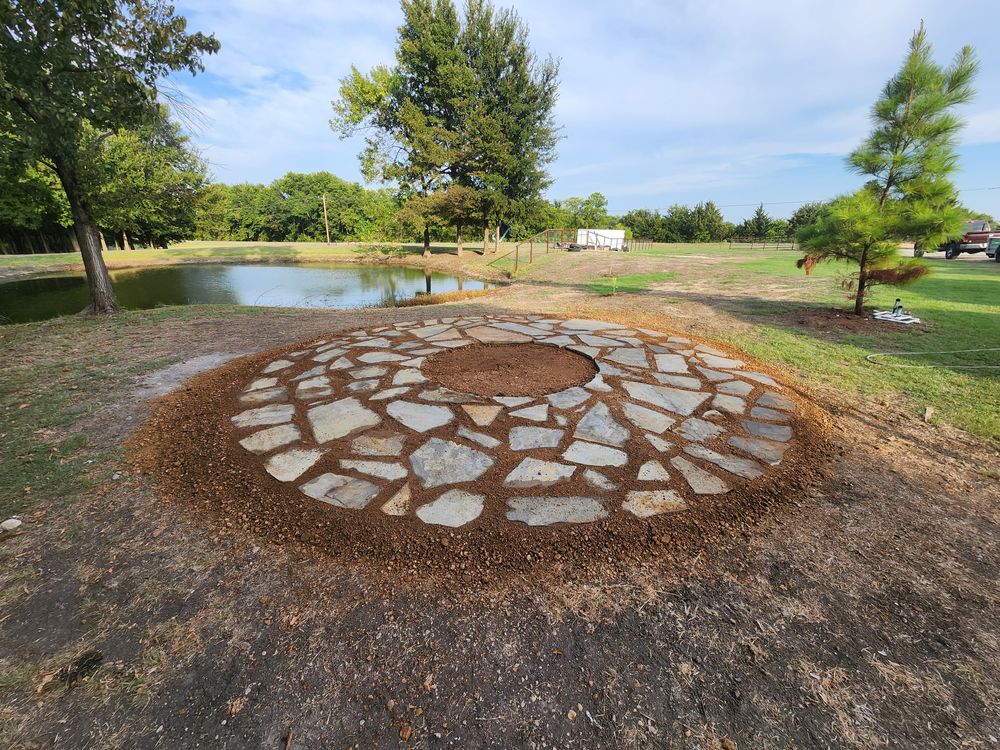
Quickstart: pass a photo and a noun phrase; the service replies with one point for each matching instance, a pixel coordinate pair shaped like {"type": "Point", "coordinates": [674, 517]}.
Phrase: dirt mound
{"type": "Point", "coordinates": [509, 369]}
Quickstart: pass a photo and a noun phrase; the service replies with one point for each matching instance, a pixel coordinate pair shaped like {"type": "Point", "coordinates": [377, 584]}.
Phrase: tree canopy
{"type": "Point", "coordinates": [907, 159]}
{"type": "Point", "coordinates": [467, 105]}
{"type": "Point", "coordinates": [69, 65]}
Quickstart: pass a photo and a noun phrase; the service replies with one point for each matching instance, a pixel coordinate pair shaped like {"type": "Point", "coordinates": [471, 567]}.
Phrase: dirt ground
{"type": "Point", "coordinates": [860, 612]}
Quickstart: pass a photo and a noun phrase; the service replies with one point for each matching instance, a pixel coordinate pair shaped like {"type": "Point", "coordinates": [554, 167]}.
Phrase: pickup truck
{"type": "Point", "coordinates": [975, 239]}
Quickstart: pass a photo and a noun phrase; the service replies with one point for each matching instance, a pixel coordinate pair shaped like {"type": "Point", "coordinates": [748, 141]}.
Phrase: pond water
{"type": "Point", "coordinates": [326, 285]}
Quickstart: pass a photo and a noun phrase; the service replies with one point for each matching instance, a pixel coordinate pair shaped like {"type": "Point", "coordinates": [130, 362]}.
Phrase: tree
{"type": "Point", "coordinates": [805, 215]}
{"type": "Point", "coordinates": [67, 63]}
{"type": "Point", "coordinates": [907, 158]}
{"type": "Point", "coordinates": [590, 212]}
{"type": "Point", "coordinates": [142, 183]}
{"type": "Point", "coordinates": [760, 223]}
{"type": "Point", "coordinates": [466, 104]}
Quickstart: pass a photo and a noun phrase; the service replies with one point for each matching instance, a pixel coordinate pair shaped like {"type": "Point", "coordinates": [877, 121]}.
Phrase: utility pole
{"type": "Point", "coordinates": [326, 221]}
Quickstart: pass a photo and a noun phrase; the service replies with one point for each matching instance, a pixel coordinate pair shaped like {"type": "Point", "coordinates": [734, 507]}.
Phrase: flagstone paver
{"type": "Point", "coordinates": [545, 511]}
{"type": "Point", "coordinates": [454, 508]}
{"type": "Point", "coordinates": [683, 420]}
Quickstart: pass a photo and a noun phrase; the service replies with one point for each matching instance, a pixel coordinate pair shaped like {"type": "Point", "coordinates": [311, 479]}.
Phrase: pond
{"type": "Point", "coordinates": [326, 285]}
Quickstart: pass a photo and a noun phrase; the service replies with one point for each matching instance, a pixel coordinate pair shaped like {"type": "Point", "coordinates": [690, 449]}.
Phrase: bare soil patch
{"type": "Point", "coordinates": [510, 369]}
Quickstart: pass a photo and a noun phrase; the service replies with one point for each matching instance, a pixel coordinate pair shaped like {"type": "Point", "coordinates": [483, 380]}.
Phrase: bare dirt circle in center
{"type": "Point", "coordinates": [509, 369]}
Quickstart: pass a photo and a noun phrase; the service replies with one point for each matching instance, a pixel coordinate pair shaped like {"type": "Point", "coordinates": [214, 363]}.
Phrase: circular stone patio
{"type": "Point", "coordinates": [358, 422]}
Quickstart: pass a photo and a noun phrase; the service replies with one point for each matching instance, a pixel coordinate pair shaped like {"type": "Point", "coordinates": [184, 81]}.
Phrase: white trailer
{"type": "Point", "coordinates": [602, 239]}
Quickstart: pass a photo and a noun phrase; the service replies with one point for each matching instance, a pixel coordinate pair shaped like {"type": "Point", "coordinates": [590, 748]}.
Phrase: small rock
{"type": "Point", "coordinates": [10, 524]}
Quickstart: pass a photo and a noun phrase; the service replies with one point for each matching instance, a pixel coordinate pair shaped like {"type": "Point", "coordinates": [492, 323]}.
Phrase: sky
{"type": "Point", "coordinates": [661, 102]}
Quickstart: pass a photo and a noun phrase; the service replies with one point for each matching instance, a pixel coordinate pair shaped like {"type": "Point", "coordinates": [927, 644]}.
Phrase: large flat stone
{"type": "Point", "coordinates": [374, 357]}
{"type": "Point", "coordinates": [448, 396]}
{"type": "Point", "coordinates": [290, 465]}
{"type": "Point", "coordinates": [483, 415]}
{"type": "Point", "coordinates": [439, 462]}
{"type": "Point", "coordinates": [731, 404]}
{"type": "Point", "coordinates": [698, 430]}
{"type": "Point", "coordinates": [741, 467]}
{"type": "Point", "coordinates": [398, 504]}
{"type": "Point", "coordinates": [454, 508]}
{"type": "Point", "coordinates": [529, 438]}
{"type": "Point", "coordinates": [368, 372]}
{"type": "Point", "coordinates": [534, 473]}
{"type": "Point", "coordinates": [487, 441]}
{"type": "Point", "coordinates": [762, 412]}
{"type": "Point", "coordinates": [568, 398]}
{"type": "Point", "coordinates": [329, 354]}
{"type": "Point", "coordinates": [264, 395]}
{"type": "Point", "coordinates": [340, 418]}
{"type": "Point", "coordinates": [671, 363]}
{"type": "Point", "coordinates": [735, 388]}
{"type": "Point", "coordinates": [596, 479]}
{"type": "Point", "coordinates": [344, 492]}
{"type": "Point", "coordinates": [419, 417]}
{"type": "Point", "coordinates": [598, 426]}
{"type": "Point", "coordinates": [632, 357]}
{"type": "Point", "coordinates": [492, 335]}
{"type": "Point", "coordinates": [644, 504]}
{"type": "Point", "coordinates": [647, 419]}
{"type": "Point", "coordinates": [277, 365]}
{"type": "Point", "coordinates": [592, 454]}
{"type": "Point", "coordinates": [776, 401]}
{"type": "Point", "coordinates": [409, 376]}
{"type": "Point", "coordinates": [652, 471]}
{"type": "Point", "coordinates": [781, 433]}
{"type": "Point", "coordinates": [721, 363]}
{"type": "Point", "coordinates": [267, 440]}
{"type": "Point", "coordinates": [700, 481]}
{"type": "Point", "coordinates": [513, 400]}
{"type": "Point", "coordinates": [317, 387]}
{"type": "Point", "coordinates": [388, 393]}
{"type": "Point", "coordinates": [261, 383]}
{"type": "Point", "coordinates": [670, 399]}
{"type": "Point", "coordinates": [545, 511]}
{"type": "Point", "coordinates": [264, 415]}
{"type": "Point", "coordinates": [759, 377]}
{"type": "Point", "coordinates": [536, 413]}
{"type": "Point", "coordinates": [378, 445]}
{"type": "Point", "coordinates": [692, 384]}
{"type": "Point", "coordinates": [765, 450]}
{"type": "Point", "coordinates": [377, 469]}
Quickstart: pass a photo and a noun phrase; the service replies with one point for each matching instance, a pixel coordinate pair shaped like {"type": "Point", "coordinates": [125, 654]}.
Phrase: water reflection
{"type": "Point", "coordinates": [327, 285]}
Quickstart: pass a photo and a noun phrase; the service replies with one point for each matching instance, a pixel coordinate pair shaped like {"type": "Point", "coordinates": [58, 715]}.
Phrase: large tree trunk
{"type": "Point", "coordinates": [125, 245]}
{"type": "Point", "coordinates": [102, 295]}
{"type": "Point", "coordinates": [74, 242]}
{"type": "Point", "coordinates": [486, 237]}
{"type": "Point", "coordinates": [427, 241]}
{"type": "Point", "coordinates": [496, 239]}
{"type": "Point", "coordinates": [458, 240]}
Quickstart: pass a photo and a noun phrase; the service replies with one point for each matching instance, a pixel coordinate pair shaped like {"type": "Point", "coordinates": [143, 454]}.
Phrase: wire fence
{"type": "Point", "coordinates": [568, 239]}
{"type": "Point", "coordinates": [763, 243]}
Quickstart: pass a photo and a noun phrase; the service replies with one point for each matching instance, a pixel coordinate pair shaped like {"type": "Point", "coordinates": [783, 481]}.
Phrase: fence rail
{"type": "Point", "coordinates": [763, 242]}
{"type": "Point", "coordinates": [561, 239]}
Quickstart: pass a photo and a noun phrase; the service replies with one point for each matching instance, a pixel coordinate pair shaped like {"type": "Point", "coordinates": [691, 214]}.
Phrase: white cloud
{"type": "Point", "coordinates": [693, 96]}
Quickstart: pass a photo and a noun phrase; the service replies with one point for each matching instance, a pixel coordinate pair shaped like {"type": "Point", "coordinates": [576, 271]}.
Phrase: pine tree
{"type": "Point", "coordinates": [907, 157]}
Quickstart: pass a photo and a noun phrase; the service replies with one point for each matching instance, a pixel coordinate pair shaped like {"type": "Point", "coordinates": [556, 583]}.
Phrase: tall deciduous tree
{"type": "Point", "coordinates": [67, 63]}
{"type": "Point", "coordinates": [466, 104]}
{"type": "Point", "coordinates": [907, 158]}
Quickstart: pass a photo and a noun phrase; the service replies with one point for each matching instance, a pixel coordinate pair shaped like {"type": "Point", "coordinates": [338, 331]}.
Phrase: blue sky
{"type": "Point", "coordinates": [660, 102]}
